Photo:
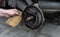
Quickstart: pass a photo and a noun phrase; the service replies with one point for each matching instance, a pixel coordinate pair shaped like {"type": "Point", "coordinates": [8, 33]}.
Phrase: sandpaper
{"type": "Point", "coordinates": [15, 20]}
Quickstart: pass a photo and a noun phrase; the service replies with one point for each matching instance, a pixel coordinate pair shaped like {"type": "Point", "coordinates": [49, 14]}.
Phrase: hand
{"type": "Point", "coordinates": [8, 13]}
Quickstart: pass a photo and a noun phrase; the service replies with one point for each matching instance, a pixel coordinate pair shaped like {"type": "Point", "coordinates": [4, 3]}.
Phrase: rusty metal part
{"type": "Point", "coordinates": [32, 17]}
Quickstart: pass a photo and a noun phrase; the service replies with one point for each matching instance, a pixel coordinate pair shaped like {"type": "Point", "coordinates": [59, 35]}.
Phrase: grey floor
{"type": "Point", "coordinates": [49, 30]}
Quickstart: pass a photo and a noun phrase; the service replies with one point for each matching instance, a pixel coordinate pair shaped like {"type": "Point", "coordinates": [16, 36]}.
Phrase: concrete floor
{"type": "Point", "coordinates": [49, 30]}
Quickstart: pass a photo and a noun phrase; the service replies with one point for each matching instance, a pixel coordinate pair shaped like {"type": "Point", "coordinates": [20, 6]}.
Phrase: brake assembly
{"type": "Point", "coordinates": [33, 17]}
